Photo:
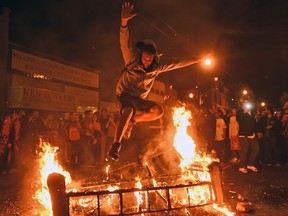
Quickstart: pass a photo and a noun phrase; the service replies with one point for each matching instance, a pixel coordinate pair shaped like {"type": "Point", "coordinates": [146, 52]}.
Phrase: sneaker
{"type": "Point", "coordinates": [252, 168]}
{"type": "Point", "coordinates": [114, 151]}
{"type": "Point", "coordinates": [243, 170]}
{"type": "Point", "coordinates": [128, 131]}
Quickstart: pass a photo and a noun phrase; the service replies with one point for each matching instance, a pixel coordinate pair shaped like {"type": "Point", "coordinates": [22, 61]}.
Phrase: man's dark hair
{"type": "Point", "coordinates": [148, 48]}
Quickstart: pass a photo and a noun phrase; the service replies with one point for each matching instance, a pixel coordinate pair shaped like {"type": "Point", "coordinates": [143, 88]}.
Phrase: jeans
{"type": "Point", "coordinates": [272, 154]}
{"type": "Point", "coordinates": [249, 151]}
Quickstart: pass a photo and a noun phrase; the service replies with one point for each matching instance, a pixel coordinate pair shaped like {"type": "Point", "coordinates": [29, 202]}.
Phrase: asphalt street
{"type": "Point", "coordinates": [266, 191]}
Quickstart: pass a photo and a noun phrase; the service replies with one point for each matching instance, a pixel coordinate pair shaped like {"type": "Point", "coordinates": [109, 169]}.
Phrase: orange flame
{"type": "Point", "coordinates": [185, 145]}
{"type": "Point", "coordinates": [193, 163]}
{"type": "Point", "coordinates": [138, 194]}
{"type": "Point", "coordinates": [182, 142]}
{"type": "Point", "coordinates": [48, 164]}
{"type": "Point", "coordinates": [223, 210]}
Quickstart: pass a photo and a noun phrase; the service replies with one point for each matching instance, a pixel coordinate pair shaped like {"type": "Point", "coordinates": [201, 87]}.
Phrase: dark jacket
{"type": "Point", "coordinates": [247, 123]}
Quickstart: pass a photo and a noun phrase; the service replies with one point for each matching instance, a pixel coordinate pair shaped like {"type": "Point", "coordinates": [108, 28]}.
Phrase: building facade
{"type": "Point", "coordinates": [35, 81]}
{"type": "Point", "coordinates": [38, 82]}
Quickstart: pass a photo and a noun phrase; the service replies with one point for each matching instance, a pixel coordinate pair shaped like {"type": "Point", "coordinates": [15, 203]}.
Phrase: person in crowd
{"type": "Point", "coordinates": [62, 141]}
{"type": "Point", "coordinates": [220, 137]}
{"type": "Point", "coordinates": [18, 155]}
{"type": "Point", "coordinates": [247, 136]}
{"type": "Point", "coordinates": [51, 127]}
{"type": "Point", "coordinates": [272, 154]}
{"type": "Point", "coordinates": [73, 133]}
{"type": "Point", "coordinates": [261, 125]}
{"type": "Point", "coordinates": [97, 142]}
{"type": "Point", "coordinates": [234, 136]}
{"type": "Point", "coordinates": [23, 119]}
{"type": "Point", "coordinates": [205, 125]}
{"type": "Point", "coordinates": [224, 114]}
{"type": "Point", "coordinates": [278, 135]}
{"type": "Point", "coordinates": [88, 156]}
{"type": "Point", "coordinates": [33, 129]}
{"type": "Point", "coordinates": [9, 146]}
{"type": "Point", "coordinates": [104, 118]}
{"type": "Point", "coordinates": [275, 134]}
{"type": "Point", "coordinates": [284, 121]}
{"type": "Point", "coordinates": [142, 66]}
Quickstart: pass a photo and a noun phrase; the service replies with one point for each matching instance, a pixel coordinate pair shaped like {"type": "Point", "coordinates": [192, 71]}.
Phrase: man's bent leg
{"type": "Point", "coordinates": [154, 113]}
{"type": "Point", "coordinates": [122, 124]}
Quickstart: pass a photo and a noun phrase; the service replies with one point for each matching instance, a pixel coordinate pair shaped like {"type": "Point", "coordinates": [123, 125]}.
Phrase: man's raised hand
{"type": "Point", "coordinates": [126, 13]}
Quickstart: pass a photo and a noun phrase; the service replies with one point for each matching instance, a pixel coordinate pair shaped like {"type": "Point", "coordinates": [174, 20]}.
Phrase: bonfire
{"type": "Point", "coordinates": [104, 199]}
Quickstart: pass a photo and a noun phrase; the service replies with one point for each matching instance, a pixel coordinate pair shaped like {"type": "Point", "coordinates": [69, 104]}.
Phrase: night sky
{"type": "Point", "coordinates": [249, 38]}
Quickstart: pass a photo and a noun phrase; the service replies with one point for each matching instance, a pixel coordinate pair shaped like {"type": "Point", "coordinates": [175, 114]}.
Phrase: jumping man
{"type": "Point", "coordinates": [142, 66]}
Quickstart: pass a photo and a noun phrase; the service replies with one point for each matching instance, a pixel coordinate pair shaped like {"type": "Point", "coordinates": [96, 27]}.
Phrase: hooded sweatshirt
{"type": "Point", "coordinates": [135, 80]}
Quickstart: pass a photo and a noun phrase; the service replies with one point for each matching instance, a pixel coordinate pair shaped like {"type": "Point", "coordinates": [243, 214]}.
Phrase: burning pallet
{"type": "Point", "coordinates": [197, 182]}
{"type": "Point", "coordinates": [133, 201]}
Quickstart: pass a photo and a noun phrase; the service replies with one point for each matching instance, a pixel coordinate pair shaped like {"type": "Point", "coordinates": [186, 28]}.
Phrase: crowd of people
{"type": "Point", "coordinates": [243, 137]}
{"type": "Point", "coordinates": [82, 138]}
{"type": "Point", "coordinates": [236, 135]}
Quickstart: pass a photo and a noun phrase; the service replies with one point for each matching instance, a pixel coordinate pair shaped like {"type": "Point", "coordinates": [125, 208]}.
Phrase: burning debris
{"type": "Point", "coordinates": [198, 183]}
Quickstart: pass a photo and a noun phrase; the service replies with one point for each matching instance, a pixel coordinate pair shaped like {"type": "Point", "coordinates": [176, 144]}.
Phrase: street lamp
{"type": "Point", "coordinates": [245, 92]}
{"type": "Point", "coordinates": [263, 104]}
{"type": "Point", "coordinates": [208, 62]}
{"type": "Point", "coordinates": [191, 95]}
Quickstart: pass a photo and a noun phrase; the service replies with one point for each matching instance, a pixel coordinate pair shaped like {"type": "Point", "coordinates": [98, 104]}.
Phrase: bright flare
{"type": "Point", "coordinates": [207, 61]}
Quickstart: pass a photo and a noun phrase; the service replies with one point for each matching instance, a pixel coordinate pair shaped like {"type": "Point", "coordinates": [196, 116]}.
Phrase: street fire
{"type": "Point", "coordinates": [185, 145]}
{"type": "Point", "coordinates": [194, 186]}
{"type": "Point", "coordinates": [192, 162]}
{"type": "Point", "coordinates": [47, 164]}
{"type": "Point", "coordinates": [194, 166]}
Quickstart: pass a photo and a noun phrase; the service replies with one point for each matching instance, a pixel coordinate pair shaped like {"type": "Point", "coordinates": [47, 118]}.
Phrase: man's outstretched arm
{"type": "Point", "coordinates": [176, 64]}
{"type": "Point", "coordinates": [125, 41]}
